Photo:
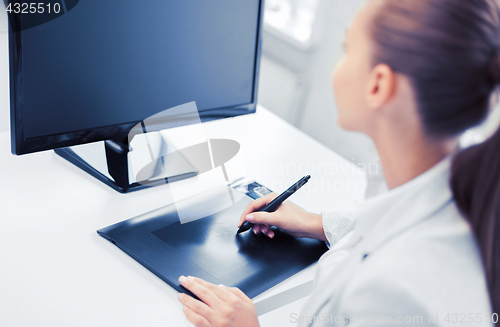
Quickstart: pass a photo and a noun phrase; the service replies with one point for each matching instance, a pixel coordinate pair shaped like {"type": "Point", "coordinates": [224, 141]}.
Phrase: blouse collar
{"type": "Point", "coordinates": [392, 212]}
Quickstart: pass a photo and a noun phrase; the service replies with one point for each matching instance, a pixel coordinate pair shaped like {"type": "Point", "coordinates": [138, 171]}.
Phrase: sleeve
{"type": "Point", "coordinates": [336, 224]}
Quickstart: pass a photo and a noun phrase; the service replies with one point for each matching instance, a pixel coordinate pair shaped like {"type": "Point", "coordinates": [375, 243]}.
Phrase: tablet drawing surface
{"type": "Point", "coordinates": [212, 243]}
{"type": "Point", "coordinates": [209, 247]}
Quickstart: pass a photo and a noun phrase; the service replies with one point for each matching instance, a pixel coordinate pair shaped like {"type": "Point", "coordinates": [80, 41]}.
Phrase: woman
{"type": "Point", "coordinates": [415, 75]}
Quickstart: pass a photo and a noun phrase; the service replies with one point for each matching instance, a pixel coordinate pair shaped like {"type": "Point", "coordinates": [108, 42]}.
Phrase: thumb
{"type": "Point", "coordinates": [262, 217]}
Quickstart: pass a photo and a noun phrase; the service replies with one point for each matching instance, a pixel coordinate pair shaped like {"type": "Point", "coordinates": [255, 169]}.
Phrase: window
{"type": "Point", "coordinates": [294, 18]}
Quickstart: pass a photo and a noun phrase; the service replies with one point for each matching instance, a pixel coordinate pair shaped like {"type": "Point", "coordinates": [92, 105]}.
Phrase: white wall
{"type": "Point", "coordinates": [279, 88]}
{"type": "Point", "coordinates": [320, 111]}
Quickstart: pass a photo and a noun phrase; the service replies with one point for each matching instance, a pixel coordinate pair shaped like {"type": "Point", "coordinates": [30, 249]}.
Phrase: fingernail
{"type": "Point", "coordinates": [249, 218]}
{"type": "Point", "coordinates": [271, 234]}
{"type": "Point", "coordinates": [180, 296]}
{"type": "Point", "coordinates": [184, 308]}
{"type": "Point", "coordinates": [191, 278]}
{"type": "Point", "coordinates": [182, 279]}
{"type": "Point", "coordinates": [255, 231]}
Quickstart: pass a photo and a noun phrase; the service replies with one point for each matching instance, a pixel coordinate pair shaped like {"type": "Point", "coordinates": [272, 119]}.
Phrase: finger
{"type": "Point", "coordinates": [197, 306]}
{"type": "Point", "coordinates": [256, 205]}
{"type": "Point", "coordinates": [200, 291]}
{"type": "Point", "coordinates": [269, 233]}
{"type": "Point", "coordinates": [263, 218]}
{"type": "Point", "coordinates": [220, 291]}
{"type": "Point", "coordinates": [196, 319]}
{"type": "Point", "coordinates": [264, 229]}
{"type": "Point", "coordinates": [256, 229]}
{"type": "Point", "coordinates": [239, 293]}
{"type": "Point", "coordinates": [253, 206]}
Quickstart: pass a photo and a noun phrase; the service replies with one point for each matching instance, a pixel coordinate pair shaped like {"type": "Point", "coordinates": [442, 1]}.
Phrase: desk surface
{"type": "Point", "coordinates": [56, 270]}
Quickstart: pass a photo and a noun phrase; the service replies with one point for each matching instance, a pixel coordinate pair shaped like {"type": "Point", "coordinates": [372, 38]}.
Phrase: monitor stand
{"type": "Point", "coordinates": [113, 162]}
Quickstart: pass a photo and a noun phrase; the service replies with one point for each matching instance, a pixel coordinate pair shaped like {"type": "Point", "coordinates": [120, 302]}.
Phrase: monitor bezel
{"type": "Point", "coordinates": [21, 145]}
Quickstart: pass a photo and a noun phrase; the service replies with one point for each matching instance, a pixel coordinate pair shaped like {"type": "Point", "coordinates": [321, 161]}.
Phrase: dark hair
{"type": "Point", "coordinates": [450, 51]}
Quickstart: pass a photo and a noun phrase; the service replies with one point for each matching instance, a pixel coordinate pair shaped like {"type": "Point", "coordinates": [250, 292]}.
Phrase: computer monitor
{"type": "Point", "coordinates": [94, 69]}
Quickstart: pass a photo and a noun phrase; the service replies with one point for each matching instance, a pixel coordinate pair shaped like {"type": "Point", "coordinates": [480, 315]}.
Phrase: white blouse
{"type": "Point", "coordinates": [406, 254]}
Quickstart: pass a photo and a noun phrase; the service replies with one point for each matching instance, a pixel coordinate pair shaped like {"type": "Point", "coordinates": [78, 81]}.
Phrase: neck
{"type": "Point", "coordinates": [406, 156]}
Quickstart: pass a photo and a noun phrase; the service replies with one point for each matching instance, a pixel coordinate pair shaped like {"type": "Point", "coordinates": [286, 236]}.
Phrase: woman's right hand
{"type": "Point", "coordinates": [289, 217]}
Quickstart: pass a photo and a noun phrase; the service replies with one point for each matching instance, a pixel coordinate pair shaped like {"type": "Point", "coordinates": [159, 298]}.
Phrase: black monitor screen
{"type": "Point", "coordinates": [106, 63]}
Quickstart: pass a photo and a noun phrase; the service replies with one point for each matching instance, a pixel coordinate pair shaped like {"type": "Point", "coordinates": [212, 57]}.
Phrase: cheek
{"type": "Point", "coordinates": [347, 85]}
{"type": "Point", "coordinates": [341, 89]}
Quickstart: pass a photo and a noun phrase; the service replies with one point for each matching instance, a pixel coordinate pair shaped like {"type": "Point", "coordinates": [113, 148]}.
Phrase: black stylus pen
{"type": "Point", "coordinates": [274, 204]}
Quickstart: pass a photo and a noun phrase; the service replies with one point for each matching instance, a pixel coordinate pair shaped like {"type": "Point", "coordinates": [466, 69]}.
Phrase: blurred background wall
{"type": "Point", "coordinates": [302, 44]}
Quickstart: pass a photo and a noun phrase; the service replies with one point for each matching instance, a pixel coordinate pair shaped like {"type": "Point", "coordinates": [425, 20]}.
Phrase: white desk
{"type": "Point", "coordinates": [56, 271]}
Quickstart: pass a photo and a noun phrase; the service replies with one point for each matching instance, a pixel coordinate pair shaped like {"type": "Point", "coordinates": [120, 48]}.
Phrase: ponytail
{"type": "Point", "coordinates": [475, 182]}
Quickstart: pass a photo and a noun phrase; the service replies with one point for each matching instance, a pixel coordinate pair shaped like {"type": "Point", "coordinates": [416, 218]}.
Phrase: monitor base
{"type": "Point", "coordinates": [117, 161]}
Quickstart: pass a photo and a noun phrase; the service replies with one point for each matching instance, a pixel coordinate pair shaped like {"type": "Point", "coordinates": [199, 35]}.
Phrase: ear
{"type": "Point", "coordinates": [381, 85]}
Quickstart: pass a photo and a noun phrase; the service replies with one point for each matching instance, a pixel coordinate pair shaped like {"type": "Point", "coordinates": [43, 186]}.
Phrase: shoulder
{"type": "Point", "coordinates": [432, 267]}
